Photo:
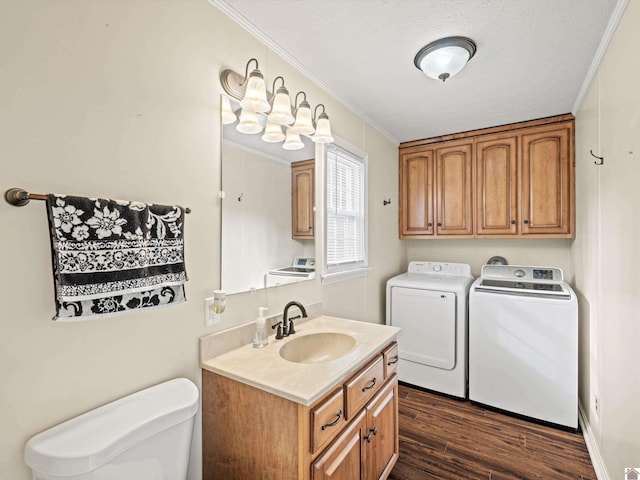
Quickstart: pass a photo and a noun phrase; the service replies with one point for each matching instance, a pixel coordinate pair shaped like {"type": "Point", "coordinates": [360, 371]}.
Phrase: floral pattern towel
{"type": "Point", "coordinates": [111, 257]}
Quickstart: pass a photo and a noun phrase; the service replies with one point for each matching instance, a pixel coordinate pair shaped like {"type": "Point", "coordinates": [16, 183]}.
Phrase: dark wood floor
{"type": "Point", "coordinates": [442, 438]}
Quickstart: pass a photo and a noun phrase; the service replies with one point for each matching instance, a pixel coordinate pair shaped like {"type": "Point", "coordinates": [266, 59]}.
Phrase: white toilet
{"type": "Point", "coordinates": [144, 436]}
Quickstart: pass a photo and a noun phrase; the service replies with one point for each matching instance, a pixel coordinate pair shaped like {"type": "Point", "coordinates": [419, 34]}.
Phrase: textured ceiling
{"type": "Point", "coordinates": [532, 58]}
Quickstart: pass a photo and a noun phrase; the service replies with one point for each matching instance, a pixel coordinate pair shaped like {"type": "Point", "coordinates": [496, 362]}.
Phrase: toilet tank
{"type": "Point", "coordinates": [144, 436]}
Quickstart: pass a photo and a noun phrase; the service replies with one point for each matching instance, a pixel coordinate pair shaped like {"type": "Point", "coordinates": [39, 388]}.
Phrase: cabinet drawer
{"type": "Point", "coordinates": [391, 358]}
{"type": "Point", "coordinates": [327, 420]}
{"type": "Point", "coordinates": [363, 386]}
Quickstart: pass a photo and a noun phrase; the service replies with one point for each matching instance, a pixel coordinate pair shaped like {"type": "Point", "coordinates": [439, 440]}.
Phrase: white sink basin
{"type": "Point", "coordinates": [317, 347]}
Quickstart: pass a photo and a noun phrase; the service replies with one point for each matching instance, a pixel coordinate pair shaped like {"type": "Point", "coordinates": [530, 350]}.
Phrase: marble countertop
{"type": "Point", "coordinates": [303, 383]}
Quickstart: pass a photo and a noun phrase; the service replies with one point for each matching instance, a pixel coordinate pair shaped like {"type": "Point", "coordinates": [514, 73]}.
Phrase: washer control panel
{"type": "Point", "coordinates": [548, 274]}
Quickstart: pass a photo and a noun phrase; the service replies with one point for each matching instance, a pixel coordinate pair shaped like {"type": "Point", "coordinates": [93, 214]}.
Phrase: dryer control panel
{"type": "Point", "coordinates": [443, 268]}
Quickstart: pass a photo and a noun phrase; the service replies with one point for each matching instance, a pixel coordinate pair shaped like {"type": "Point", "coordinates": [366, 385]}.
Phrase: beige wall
{"type": "Point", "coordinates": [606, 252]}
{"type": "Point", "coordinates": [121, 99]}
{"type": "Point", "coordinates": [476, 252]}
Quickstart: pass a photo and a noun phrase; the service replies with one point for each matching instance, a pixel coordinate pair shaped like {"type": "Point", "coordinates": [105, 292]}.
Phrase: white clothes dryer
{"type": "Point", "coordinates": [429, 304]}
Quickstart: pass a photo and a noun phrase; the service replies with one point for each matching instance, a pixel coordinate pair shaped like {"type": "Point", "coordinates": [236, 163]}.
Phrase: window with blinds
{"type": "Point", "coordinates": [346, 247]}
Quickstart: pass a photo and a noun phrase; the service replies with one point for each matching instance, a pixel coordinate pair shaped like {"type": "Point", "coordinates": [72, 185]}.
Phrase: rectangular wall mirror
{"type": "Point", "coordinates": [267, 210]}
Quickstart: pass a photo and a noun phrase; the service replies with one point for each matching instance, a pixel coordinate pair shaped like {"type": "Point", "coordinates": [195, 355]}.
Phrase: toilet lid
{"type": "Point", "coordinates": [88, 441]}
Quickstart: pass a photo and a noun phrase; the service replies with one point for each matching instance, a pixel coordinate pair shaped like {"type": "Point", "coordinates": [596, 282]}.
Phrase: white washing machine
{"type": "Point", "coordinates": [523, 343]}
{"type": "Point", "coordinates": [429, 304]}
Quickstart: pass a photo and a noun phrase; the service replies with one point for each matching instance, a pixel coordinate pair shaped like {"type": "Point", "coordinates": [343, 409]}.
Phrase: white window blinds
{"type": "Point", "coordinates": [345, 213]}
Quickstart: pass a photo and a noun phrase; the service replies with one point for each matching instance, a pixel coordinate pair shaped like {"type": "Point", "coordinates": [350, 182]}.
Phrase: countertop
{"type": "Point", "coordinates": [303, 383]}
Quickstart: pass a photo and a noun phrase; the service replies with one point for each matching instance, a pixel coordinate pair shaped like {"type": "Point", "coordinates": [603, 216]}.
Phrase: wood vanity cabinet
{"type": "Point", "coordinates": [302, 199]}
{"type": "Point", "coordinates": [351, 433]}
{"type": "Point", "coordinates": [511, 181]}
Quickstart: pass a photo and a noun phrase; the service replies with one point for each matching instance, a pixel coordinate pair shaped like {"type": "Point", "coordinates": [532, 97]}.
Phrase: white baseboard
{"type": "Point", "coordinates": [592, 445]}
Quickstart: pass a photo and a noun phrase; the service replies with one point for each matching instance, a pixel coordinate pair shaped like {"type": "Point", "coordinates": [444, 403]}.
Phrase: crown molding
{"type": "Point", "coordinates": [614, 20]}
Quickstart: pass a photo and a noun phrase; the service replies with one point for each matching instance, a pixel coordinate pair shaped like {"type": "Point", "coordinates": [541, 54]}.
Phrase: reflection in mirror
{"type": "Point", "coordinates": [267, 209]}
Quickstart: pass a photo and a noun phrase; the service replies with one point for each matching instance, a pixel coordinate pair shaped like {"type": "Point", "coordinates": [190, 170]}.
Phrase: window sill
{"type": "Point", "coordinates": [335, 277]}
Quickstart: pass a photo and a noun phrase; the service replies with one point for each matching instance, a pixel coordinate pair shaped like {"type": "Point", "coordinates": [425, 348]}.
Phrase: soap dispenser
{"type": "Point", "coordinates": [260, 339]}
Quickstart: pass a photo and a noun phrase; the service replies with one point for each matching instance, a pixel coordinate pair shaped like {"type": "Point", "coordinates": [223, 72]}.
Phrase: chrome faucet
{"type": "Point", "coordinates": [287, 323]}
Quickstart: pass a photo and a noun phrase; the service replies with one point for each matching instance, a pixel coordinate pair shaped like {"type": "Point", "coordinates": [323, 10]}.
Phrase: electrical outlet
{"type": "Point", "coordinates": [209, 317]}
{"type": "Point", "coordinates": [596, 404]}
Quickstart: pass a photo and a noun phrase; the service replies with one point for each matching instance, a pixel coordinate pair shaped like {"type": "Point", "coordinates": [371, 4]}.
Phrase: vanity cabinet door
{"type": "Point", "coordinates": [382, 432]}
{"type": "Point", "coordinates": [345, 458]}
{"type": "Point", "coordinates": [302, 199]}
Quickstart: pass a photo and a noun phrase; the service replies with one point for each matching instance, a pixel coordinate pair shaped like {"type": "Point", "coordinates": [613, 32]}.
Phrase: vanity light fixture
{"type": "Point", "coordinates": [323, 127]}
{"type": "Point", "coordinates": [445, 57]}
{"type": "Point", "coordinates": [255, 96]}
{"type": "Point", "coordinates": [250, 91]}
{"type": "Point", "coordinates": [303, 123]}
{"type": "Point", "coordinates": [293, 141]}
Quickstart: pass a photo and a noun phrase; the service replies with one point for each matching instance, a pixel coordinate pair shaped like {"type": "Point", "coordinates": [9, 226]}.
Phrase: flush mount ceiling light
{"type": "Point", "coordinates": [445, 57]}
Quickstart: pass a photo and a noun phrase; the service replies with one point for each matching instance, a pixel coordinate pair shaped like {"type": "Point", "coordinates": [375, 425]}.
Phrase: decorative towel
{"type": "Point", "coordinates": [111, 257]}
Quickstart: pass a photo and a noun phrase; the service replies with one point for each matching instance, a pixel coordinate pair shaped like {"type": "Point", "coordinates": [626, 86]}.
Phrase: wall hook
{"type": "Point", "coordinates": [386, 202]}
{"type": "Point", "coordinates": [595, 156]}
{"type": "Point", "coordinates": [240, 197]}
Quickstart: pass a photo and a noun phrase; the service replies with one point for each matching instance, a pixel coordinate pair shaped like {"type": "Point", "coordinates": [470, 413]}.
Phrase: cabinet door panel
{"type": "Point", "coordinates": [382, 422]}
{"type": "Point", "coordinates": [344, 459]}
{"type": "Point", "coordinates": [546, 181]}
{"type": "Point", "coordinates": [453, 189]}
{"type": "Point", "coordinates": [496, 186]}
{"type": "Point", "coordinates": [302, 197]}
{"type": "Point", "coordinates": [416, 193]}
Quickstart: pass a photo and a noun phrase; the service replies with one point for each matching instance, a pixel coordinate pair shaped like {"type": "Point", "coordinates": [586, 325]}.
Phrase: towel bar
{"type": "Point", "coordinates": [19, 197]}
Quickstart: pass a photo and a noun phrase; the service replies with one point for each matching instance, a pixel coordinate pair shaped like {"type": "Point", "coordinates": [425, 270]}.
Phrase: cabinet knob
{"type": "Point", "coordinates": [368, 438]}
{"type": "Point", "coordinates": [439, 224]}
{"type": "Point", "coordinates": [374, 430]}
{"type": "Point", "coordinates": [429, 224]}
{"type": "Point", "coordinates": [513, 222]}
{"type": "Point", "coordinates": [526, 221]}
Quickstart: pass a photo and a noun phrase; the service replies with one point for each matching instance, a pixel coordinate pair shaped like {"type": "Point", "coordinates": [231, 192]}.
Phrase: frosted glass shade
{"type": "Point", "coordinates": [323, 130]}
{"type": "Point", "coordinates": [249, 122]}
{"type": "Point", "coordinates": [445, 61]}
{"type": "Point", "coordinates": [255, 97]}
{"type": "Point", "coordinates": [273, 133]}
{"type": "Point", "coordinates": [445, 57]}
{"type": "Point", "coordinates": [281, 111]}
{"type": "Point", "coordinates": [293, 141]}
{"type": "Point", "coordinates": [227, 113]}
{"type": "Point", "coordinates": [303, 124]}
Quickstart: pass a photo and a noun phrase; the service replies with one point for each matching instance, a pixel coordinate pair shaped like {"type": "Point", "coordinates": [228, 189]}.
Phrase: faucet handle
{"type": "Point", "coordinates": [291, 329]}
{"type": "Point", "coordinates": [279, 335]}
